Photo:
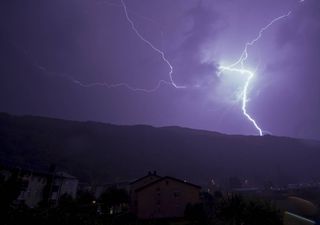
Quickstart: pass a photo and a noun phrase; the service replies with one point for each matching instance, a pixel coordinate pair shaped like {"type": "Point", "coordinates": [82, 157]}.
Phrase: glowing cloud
{"type": "Point", "coordinates": [239, 67]}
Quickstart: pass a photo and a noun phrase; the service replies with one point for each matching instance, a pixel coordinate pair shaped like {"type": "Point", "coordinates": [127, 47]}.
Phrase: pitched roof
{"type": "Point", "coordinates": [64, 175]}
{"type": "Point", "coordinates": [148, 175]}
{"type": "Point", "coordinates": [164, 178]}
{"type": "Point", "coordinates": [35, 170]}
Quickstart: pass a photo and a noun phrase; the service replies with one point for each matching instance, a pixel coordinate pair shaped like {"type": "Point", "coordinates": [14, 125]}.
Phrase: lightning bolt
{"type": "Point", "coordinates": [161, 53]}
{"type": "Point", "coordinates": [117, 85]}
{"type": "Point", "coordinates": [132, 12]}
{"type": "Point", "coordinates": [171, 82]}
{"type": "Point", "coordinates": [71, 79]}
{"type": "Point", "coordinates": [96, 84]}
{"type": "Point", "coordinates": [239, 67]}
{"type": "Point", "coordinates": [236, 67]}
{"type": "Point", "coordinates": [153, 47]}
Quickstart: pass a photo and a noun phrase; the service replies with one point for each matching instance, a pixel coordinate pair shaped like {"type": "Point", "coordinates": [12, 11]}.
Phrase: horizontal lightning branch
{"type": "Point", "coordinates": [160, 83]}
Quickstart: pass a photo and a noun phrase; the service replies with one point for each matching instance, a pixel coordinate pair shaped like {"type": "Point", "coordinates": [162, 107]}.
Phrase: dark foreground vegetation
{"type": "Point", "coordinates": [113, 208]}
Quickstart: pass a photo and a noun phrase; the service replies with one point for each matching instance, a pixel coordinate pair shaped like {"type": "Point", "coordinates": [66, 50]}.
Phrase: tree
{"type": "Point", "coordinates": [9, 190]}
{"type": "Point", "coordinates": [262, 213]}
{"type": "Point", "coordinates": [235, 210]}
{"type": "Point", "coordinates": [113, 199]}
{"type": "Point", "coordinates": [232, 210]}
{"type": "Point", "coordinates": [85, 198]}
{"type": "Point", "coordinates": [196, 213]}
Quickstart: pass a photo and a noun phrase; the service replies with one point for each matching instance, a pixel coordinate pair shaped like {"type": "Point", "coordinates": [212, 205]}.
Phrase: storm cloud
{"type": "Point", "coordinates": [46, 45]}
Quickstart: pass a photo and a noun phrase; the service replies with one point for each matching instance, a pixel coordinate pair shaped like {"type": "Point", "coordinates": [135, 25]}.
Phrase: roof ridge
{"type": "Point", "coordinates": [163, 178]}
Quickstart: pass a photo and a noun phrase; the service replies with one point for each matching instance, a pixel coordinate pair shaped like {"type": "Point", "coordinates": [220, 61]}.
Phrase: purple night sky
{"type": "Point", "coordinates": [48, 45]}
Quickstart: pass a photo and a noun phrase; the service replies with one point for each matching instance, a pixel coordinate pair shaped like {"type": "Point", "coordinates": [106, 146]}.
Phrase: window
{"type": "Point", "coordinates": [176, 194]}
{"type": "Point", "coordinates": [158, 192]}
{"type": "Point", "coordinates": [24, 185]}
{"type": "Point", "coordinates": [55, 188]}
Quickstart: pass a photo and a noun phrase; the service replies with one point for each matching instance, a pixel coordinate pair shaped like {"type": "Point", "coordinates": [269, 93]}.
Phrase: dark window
{"type": "Point", "coordinates": [55, 188]}
{"type": "Point", "coordinates": [24, 185]}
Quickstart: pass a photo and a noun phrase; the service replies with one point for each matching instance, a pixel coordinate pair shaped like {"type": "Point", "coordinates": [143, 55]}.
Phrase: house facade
{"type": "Point", "coordinates": [31, 190]}
{"type": "Point", "coordinates": [164, 197]}
{"type": "Point", "coordinates": [37, 186]}
{"type": "Point", "coordinates": [63, 184]}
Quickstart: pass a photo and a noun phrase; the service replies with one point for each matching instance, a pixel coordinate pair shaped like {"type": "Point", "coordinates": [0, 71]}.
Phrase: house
{"type": "Point", "coordinates": [162, 197]}
{"type": "Point", "coordinates": [38, 185]}
{"type": "Point", "coordinates": [31, 187]}
{"type": "Point", "coordinates": [150, 177]}
{"type": "Point", "coordinates": [63, 184]}
{"type": "Point", "coordinates": [138, 183]}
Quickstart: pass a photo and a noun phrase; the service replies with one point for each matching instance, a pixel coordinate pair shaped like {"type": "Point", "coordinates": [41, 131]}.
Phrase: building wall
{"type": "Point", "coordinates": [138, 184]}
{"type": "Point", "coordinates": [32, 189]}
{"type": "Point", "coordinates": [34, 183]}
{"type": "Point", "coordinates": [63, 185]}
{"type": "Point", "coordinates": [69, 186]}
{"type": "Point", "coordinates": [165, 199]}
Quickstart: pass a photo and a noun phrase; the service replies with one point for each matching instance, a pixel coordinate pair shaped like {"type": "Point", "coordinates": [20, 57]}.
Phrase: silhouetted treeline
{"type": "Point", "coordinates": [113, 208]}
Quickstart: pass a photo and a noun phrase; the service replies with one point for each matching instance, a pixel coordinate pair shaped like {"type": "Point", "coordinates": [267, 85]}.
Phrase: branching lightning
{"type": "Point", "coordinates": [84, 85]}
{"type": "Point", "coordinates": [236, 67]}
{"type": "Point", "coordinates": [117, 85]}
{"type": "Point", "coordinates": [130, 11]}
{"type": "Point", "coordinates": [133, 27]}
{"type": "Point", "coordinates": [171, 82]}
{"type": "Point", "coordinates": [250, 74]}
{"type": "Point", "coordinates": [96, 84]}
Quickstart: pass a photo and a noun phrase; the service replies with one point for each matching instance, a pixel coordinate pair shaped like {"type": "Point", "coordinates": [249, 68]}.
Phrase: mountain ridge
{"type": "Point", "coordinates": [97, 152]}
